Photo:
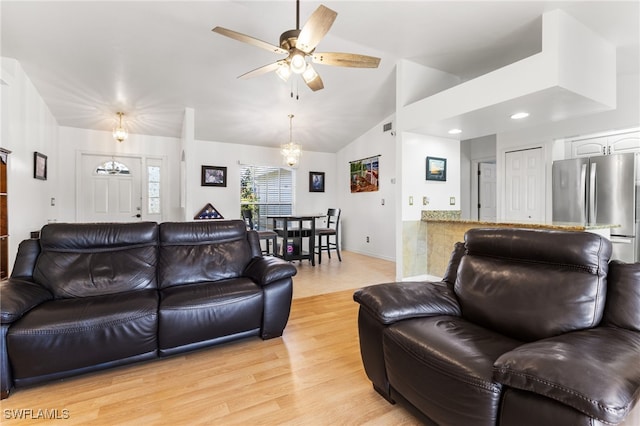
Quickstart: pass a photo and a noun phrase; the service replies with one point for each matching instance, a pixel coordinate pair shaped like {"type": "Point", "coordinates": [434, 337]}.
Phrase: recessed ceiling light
{"type": "Point", "coordinates": [455, 131]}
{"type": "Point", "coordinates": [519, 115]}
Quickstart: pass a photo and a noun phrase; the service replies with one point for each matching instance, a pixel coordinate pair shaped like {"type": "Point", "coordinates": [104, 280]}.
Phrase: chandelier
{"type": "Point", "coordinates": [120, 132]}
{"type": "Point", "coordinates": [291, 151]}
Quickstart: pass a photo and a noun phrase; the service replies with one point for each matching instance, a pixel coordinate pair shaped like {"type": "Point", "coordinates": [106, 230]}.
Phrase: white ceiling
{"type": "Point", "coordinates": [153, 59]}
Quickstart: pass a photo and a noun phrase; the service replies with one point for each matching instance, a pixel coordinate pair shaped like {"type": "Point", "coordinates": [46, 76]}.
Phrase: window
{"type": "Point", "coordinates": [112, 168]}
{"type": "Point", "coordinates": [153, 189]}
{"type": "Point", "coordinates": [266, 191]}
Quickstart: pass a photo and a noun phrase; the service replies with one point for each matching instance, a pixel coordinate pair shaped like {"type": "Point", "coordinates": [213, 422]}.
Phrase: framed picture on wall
{"type": "Point", "coordinates": [316, 181]}
{"type": "Point", "coordinates": [437, 169]}
{"type": "Point", "coordinates": [213, 176]}
{"type": "Point", "coordinates": [39, 166]}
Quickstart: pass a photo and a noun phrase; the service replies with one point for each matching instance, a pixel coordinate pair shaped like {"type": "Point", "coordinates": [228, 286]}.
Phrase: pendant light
{"type": "Point", "coordinates": [120, 132]}
{"type": "Point", "coordinates": [291, 151]}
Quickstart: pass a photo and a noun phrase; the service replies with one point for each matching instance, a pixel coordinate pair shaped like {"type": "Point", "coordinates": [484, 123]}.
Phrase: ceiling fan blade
{"type": "Point", "coordinates": [346, 60]}
{"type": "Point", "coordinates": [315, 28]}
{"type": "Point", "coordinates": [249, 40]}
{"type": "Point", "coordinates": [262, 70]}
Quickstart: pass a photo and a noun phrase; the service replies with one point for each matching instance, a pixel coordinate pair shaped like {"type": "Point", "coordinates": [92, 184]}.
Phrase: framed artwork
{"type": "Point", "coordinates": [39, 166]}
{"type": "Point", "coordinates": [365, 174]}
{"type": "Point", "coordinates": [316, 181]}
{"type": "Point", "coordinates": [437, 169]}
{"type": "Point", "coordinates": [214, 176]}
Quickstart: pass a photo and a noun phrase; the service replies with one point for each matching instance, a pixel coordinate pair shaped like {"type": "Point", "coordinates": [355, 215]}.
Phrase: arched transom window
{"type": "Point", "coordinates": [112, 168]}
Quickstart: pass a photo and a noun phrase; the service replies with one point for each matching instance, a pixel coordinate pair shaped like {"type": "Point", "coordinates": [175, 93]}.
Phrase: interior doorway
{"type": "Point", "coordinates": [109, 188]}
{"type": "Point", "coordinates": [487, 183]}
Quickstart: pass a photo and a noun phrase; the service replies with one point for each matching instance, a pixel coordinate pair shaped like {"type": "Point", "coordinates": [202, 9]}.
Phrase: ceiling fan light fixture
{"type": "Point", "coordinates": [309, 74]}
{"type": "Point", "coordinates": [284, 72]}
{"type": "Point", "coordinates": [120, 132]}
{"type": "Point", "coordinates": [297, 63]}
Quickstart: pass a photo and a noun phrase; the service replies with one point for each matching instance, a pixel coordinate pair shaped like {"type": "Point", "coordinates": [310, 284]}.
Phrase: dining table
{"type": "Point", "coordinates": [295, 230]}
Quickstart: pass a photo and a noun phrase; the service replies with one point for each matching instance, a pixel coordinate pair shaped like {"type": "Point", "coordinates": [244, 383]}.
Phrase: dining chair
{"type": "Point", "coordinates": [267, 235]}
{"type": "Point", "coordinates": [332, 230]}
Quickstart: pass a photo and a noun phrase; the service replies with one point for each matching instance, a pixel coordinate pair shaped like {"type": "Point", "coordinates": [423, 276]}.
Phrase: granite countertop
{"type": "Point", "coordinates": [453, 216]}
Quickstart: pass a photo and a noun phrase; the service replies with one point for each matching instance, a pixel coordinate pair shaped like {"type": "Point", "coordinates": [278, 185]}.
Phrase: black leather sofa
{"type": "Point", "coordinates": [86, 297]}
{"type": "Point", "coordinates": [527, 327]}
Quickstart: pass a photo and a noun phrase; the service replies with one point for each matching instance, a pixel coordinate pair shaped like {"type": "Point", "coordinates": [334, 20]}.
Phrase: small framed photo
{"type": "Point", "coordinates": [316, 181]}
{"type": "Point", "coordinates": [437, 169]}
{"type": "Point", "coordinates": [39, 166]}
{"type": "Point", "coordinates": [214, 176]}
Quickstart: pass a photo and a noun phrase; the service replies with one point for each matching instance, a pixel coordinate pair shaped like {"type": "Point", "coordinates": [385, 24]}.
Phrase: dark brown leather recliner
{"type": "Point", "coordinates": [86, 297]}
{"type": "Point", "coordinates": [527, 327]}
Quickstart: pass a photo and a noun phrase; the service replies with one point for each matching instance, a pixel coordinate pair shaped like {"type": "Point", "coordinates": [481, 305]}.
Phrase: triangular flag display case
{"type": "Point", "coordinates": [208, 212]}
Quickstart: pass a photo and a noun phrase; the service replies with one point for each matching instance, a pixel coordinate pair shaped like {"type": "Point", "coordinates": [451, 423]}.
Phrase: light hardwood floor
{"type": "Point", "coordinates": [331, 275]}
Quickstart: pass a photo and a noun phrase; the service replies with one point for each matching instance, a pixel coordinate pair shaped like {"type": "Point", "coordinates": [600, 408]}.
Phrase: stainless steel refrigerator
{"type": "Point", "coordinates": [600, 190]}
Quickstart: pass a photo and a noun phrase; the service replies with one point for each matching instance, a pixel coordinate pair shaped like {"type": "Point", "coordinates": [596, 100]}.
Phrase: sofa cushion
{"type": "Point", "coordinates": [595, 371]}
{"type": "Point", "coordinates": [193, 252]}
{"type": "Point", "coordinates": [80, 260]}
{"type": "Point", "coordinates": [206, 311]}
{"type": "Point", "coordinates": [443, 366]}
{"type": "Point", "coordinates": [623, 295]}
{"type": "Point", "coordinates": [69, 334]}
{"type": "Point", "coordinates": [531, 284]}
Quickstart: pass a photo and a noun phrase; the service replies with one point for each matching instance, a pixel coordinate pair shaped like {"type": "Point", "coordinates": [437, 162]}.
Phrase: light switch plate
{"type": "Point", "coordinates": [452, 201]}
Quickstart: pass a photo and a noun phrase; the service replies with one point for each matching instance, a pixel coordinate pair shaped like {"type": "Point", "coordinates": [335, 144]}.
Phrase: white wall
{"type": "Point", "coordinates": [363, 214]}
{"type": "Point", "coordinates": [27, 126]}
{"type": "Point", "coordinates": [227, 199]}
{"type": "Point", "coordinates": [415, 149]}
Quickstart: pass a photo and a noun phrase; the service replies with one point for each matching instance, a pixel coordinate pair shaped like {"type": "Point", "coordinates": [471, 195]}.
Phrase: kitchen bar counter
{"type": "Point", "coordinates": [560, 226]}
{"type": "Point", "coordinates": [445, 228]}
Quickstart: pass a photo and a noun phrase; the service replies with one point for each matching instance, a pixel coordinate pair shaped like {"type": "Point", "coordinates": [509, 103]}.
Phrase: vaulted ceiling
{"type": "Point", "coordinates": [89, 59]}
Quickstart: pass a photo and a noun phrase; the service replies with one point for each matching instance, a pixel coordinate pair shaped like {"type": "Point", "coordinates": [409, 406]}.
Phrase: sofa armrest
{"type": "Point", "coordinates": [18, 297]}
{"type": "Point", "coordinates": [268, 269]}
{"type": "Point", "coordinates": [595, 371]}
{"type": "Point", "coordinates": [392, 302]}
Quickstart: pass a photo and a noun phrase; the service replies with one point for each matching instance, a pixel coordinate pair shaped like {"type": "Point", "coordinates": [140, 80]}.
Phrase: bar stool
{"type": "Point", "coordinates": [332, 230]}
{"type": "Point", "coordinates": [267, 235]}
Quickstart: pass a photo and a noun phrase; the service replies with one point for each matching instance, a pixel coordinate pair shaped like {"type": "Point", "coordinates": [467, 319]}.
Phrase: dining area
{"type": "Point", "coordinates": [299, 236]}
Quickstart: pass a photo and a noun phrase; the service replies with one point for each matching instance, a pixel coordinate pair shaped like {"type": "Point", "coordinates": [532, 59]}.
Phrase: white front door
{"type": "Point", "coordinates": [525, 183]}
{"type": "Point", "coordinates": [109, 189]}
{"type": "Point", "coordinates": [487, 191]}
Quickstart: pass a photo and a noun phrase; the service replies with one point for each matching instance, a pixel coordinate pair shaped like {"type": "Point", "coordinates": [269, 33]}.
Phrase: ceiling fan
{"type": "Point", "coordinates": [300, 44]}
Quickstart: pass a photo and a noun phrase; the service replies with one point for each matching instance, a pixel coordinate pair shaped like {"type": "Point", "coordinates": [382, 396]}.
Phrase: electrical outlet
{"type": "Point", "coordinates": [425, 201]}
{"type": "Point", "coordinates": [367, 239]}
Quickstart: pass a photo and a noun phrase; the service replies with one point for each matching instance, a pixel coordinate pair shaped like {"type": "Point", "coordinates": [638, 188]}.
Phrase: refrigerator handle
{"type": "Point", "coordinates": [592, 195]}
{"type": "Point", "coordinates": [584, 195]}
